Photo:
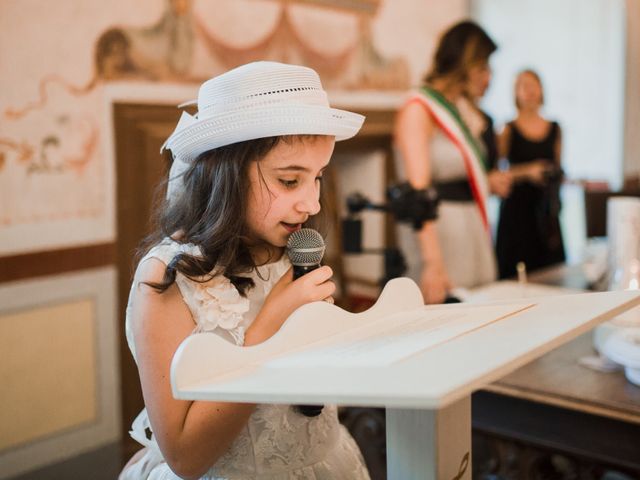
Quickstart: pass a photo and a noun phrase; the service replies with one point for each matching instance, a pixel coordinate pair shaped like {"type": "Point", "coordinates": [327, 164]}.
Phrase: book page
{"type": "Point", "coordinates": [395, 338]}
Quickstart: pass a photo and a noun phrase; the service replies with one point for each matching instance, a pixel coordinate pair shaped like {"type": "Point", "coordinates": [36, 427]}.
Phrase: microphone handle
{"type": "Point", "coordinates": [306, 410]}
{"type": "Point", "coordinates": [300, 270]}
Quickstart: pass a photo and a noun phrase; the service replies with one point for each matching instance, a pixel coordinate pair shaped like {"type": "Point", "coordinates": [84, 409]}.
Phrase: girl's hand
{"type": "Point", "coordinates": [311, 287]}
{"type": "Point", "coordinates": [285, 297]}
{"type": "Point", "coordinates": [434, 283]}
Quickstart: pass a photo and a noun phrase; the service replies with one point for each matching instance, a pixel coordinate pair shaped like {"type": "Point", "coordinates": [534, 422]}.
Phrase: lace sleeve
{"type": "Point", "coordinates": [215, 304]}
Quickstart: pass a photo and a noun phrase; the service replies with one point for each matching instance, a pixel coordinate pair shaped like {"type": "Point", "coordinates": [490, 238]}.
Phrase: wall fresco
{"type": "Point", "coordinates": [56, 188]}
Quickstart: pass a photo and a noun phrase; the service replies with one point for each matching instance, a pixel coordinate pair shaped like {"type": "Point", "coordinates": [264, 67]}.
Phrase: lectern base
{"type": "Point", "coordinates": [430, 444]}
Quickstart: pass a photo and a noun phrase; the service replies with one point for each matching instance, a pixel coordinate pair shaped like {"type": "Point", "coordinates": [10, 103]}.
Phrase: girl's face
{"type": "Point", "coordinates": [284, 188]}
{"type": "Point", "coordinates": [528, 91]}
{"type": "Point", "coordinates": [478, 78]}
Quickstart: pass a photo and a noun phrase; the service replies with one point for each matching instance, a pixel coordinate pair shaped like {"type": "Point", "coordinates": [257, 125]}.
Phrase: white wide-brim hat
{"type": "Point", "coordinates": [257, 100]}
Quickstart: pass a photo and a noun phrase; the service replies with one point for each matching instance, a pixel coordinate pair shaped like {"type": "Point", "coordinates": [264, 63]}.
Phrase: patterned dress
{"type": "Point", "coordinates": [277, 443]}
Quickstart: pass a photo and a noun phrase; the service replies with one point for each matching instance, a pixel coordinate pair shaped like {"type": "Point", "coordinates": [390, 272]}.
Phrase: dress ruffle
{"type": "Point", "coordinates": [218, 304]}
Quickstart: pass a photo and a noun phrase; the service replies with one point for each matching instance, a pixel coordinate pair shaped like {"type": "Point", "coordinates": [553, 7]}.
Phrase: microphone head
{"type": "Point", "coordinates": [305, 247]}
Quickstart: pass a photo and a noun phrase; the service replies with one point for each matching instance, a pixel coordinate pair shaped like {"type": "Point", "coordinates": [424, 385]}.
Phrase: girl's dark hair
{"type": "Point", "coordinates": [461, 46]}
{"type": "Point", "coordinates": [210, 212]}
{"type": "Point", "coordinates": [534, 74]}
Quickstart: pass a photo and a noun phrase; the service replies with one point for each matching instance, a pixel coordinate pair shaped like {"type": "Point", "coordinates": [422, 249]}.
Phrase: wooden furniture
{"type": "Point", "coordinates": [555, 417]}
{"type": "Point", "coordinates": [140, 130]}
{"type": "Point", "coordinates": [558, 379]}
{"type": "Point", "coordinates": [427, 407]}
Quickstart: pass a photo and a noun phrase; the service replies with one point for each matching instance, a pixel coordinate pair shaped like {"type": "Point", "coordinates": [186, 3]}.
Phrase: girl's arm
{"type": "Point", "coordinates": [193, 435]}
{"type": "Point", "coordinates": [413, 129]}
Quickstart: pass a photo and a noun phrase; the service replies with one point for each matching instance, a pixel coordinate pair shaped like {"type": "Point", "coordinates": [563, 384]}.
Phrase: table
{"type": "Point", "coordinates": [554, 406]}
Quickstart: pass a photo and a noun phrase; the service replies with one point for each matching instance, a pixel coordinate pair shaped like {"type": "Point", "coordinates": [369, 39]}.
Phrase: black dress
{"type": "Point", "coordinates": [529, 226]}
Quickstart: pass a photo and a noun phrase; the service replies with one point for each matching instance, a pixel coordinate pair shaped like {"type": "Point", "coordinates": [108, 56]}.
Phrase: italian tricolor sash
{"type": "Point", "coordinates": [448, 119]}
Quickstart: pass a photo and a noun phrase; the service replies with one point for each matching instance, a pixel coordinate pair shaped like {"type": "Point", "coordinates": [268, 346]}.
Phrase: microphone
{"type": "Point", "coordinates": [305, 249]}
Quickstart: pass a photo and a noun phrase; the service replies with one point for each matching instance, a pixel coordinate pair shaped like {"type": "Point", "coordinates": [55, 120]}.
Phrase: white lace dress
{"type": "Point", "coordinates": [277, 443]}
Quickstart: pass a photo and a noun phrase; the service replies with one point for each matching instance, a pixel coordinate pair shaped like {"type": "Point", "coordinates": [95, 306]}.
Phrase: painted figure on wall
{"type": "Point", "coordinates": [162, 51]}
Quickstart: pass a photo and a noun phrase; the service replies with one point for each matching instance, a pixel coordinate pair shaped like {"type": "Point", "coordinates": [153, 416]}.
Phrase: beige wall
{"type": "Point", "coordinates": [59, 368]}
{"type": "Point", "coordinates": [52, 390]}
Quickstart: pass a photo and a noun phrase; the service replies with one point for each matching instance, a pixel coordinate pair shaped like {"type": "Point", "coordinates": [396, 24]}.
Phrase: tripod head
{"type": "Point", "coordinates": [406, 204]}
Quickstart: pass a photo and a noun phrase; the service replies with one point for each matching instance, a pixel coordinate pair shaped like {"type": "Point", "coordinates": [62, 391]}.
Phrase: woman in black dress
{"type": "Point", "coordinates": [529, 227]}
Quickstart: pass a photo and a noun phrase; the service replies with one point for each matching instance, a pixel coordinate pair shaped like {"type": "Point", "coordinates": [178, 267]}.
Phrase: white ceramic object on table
{"type": "Point", "coordinates": [622, 345]}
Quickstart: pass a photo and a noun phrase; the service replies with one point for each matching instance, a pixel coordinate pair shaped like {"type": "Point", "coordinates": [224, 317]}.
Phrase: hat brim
{"type": "Point", "coordinates": [268, 121]}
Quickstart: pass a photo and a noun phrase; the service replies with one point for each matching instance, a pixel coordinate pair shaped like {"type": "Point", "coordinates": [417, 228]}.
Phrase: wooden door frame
{"type": "Point", "coordinates": [139, 130]}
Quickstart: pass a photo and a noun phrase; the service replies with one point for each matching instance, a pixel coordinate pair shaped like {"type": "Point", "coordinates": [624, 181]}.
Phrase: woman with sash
{"type": "Point", "coordinates": [437, 149]}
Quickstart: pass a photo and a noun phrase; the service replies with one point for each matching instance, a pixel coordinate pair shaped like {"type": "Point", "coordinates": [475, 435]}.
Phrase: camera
{"type": "Point", "coordinates": [411, 205]}
{"type": "Point", "coordinates": [406, 204]}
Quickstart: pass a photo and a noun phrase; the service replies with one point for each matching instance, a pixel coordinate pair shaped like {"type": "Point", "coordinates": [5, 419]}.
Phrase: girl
{"type": "Point", "coordinates": [247, 171]}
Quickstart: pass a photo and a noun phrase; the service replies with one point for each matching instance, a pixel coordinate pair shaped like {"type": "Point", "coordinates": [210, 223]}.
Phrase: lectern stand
{"type": "Point", "coordinates": [419, 362]}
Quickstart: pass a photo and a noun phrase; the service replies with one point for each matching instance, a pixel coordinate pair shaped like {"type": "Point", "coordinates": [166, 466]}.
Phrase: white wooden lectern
{"type": "Point", "coordinates": [419, 362]}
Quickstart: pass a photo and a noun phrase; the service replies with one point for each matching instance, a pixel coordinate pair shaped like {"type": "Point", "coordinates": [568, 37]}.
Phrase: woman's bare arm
{"type": "Point", "coordinates": [504, 140]}
{"type": "Point", "coordinates": [413, 130]}
{"type": "Point", "coordinates": [557, 149]}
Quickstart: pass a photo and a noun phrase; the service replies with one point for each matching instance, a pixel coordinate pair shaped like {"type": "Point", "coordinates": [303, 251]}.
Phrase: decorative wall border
{"type": "Point", "coordinates": [52, 262]}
